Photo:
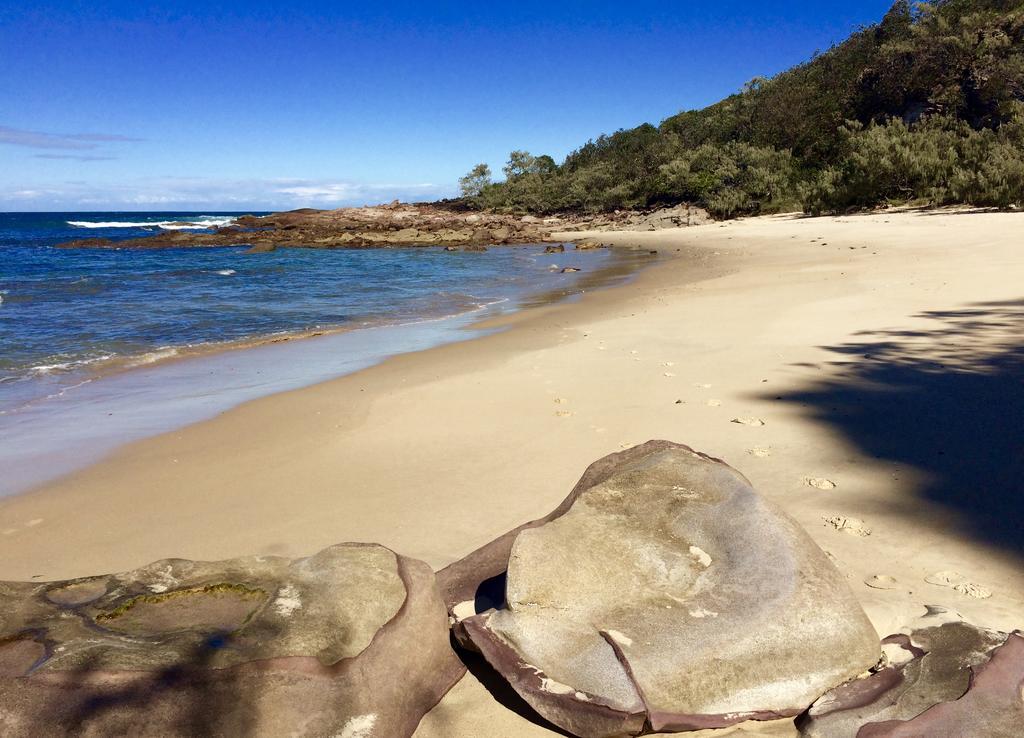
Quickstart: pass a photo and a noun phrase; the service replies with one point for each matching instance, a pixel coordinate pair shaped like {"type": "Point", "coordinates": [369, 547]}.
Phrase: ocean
{"type": "Point", "coordinates": [98, 347]}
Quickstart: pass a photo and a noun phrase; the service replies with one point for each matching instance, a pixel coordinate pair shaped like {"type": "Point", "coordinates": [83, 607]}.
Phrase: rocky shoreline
{"type": "Point", "coordinates": [398, 225]}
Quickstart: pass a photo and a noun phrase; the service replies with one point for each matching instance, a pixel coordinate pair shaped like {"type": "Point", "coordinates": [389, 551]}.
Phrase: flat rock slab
{"type": "Point", "coordinates": [352, 641]}
{"type": "Point", "coordinates": [664, 594]}
{"type": "Point", "coordinates": [941, 677]}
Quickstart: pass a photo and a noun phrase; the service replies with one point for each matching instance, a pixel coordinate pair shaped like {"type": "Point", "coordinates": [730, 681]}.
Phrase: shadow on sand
{"type": "Point", "coordinates": [946, 399]}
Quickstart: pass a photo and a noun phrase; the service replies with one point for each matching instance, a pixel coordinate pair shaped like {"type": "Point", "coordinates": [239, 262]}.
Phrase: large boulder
{"type": "Point", "coordinates": [941, 676]}
{"type": "Point", "coordinates": [663, 594]}
{"type": "Point", "coordinates": [352, 641]}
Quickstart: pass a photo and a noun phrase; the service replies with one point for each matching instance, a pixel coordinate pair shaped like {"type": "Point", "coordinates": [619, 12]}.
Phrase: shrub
{"type": "Point", "coordinates": [940, 160]}
{"type": "Point", "coordinates": [734, 179]}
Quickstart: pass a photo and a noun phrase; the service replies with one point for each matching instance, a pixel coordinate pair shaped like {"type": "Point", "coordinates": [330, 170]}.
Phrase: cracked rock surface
{"type": "Point", "coordinates": [941, 676]}
{"type": "Point", "coordinates": [351, 641]}
{"type": "Point", "coordinates": [664, 594]}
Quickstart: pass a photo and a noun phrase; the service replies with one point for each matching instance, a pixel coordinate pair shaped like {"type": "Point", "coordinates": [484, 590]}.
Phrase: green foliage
{"type": "Point", "coordinates": [991, 170]}
{"type": "Point", "coordinates": [923, 105]}
{"type": "Point", "coordinates": [478, 179]}
{"type": "Point", "coordinates": [732, 179]}
{"type": "Point", "coordinates": [940, 160]}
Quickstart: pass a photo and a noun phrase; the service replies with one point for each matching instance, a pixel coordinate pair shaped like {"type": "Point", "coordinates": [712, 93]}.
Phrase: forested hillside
{"type": "Point", "coordinates": [927, 105]}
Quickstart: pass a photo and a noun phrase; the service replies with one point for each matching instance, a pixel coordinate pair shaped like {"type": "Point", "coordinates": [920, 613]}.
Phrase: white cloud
{"type": "Point", "coordinates": [41, 140]}
{"type": "Point", "coordinates": [196, 193]}
{"type": "Point", "coordinates": [75, 157]}
{"type": "Point", "coordinates": [349, 191]}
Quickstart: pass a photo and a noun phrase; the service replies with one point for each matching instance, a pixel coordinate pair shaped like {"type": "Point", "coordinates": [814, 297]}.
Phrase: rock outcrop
{"type": "Point", "coordinates": [940, 677]}
{"type": "Point", "coordinates": [352, 641]}
{"type": "Point", "coordinates": [393, 225]}
{"type": "Point", "coordinates": [679, 216]}
{"type": "Point", "coordinates": [663, 594]}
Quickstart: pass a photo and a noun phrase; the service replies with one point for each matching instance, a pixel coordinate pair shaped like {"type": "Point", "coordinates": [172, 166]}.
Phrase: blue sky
{"type": "Point", "coordinates": [257, 105]}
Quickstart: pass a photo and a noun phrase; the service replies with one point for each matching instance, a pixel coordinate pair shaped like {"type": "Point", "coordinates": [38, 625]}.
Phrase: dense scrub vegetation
{"type": "Point", "coordinates": [927, 105]}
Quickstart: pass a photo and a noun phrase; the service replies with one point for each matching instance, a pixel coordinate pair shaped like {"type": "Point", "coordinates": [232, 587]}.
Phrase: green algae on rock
{"type": "Point", "coordinates": [355, 635]}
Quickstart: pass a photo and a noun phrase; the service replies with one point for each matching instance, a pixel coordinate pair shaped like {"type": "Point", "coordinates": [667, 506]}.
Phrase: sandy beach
{"type": "Point", "coordinates": [862, 371]}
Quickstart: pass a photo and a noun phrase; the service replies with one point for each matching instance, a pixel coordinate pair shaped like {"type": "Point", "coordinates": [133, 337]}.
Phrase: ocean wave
{"type": "Point", "coordinates": [153, 357]}
{"type": "Point", "coordinates": [42, 370]}
{"type": "Point", "coordinates": [201, 223]}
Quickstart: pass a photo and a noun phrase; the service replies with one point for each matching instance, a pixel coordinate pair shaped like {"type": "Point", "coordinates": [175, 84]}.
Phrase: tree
{"type": "Point", "coordinates": [544, 164]}
{"type": "Point", "coordinates": [475, 181]}
{"type": "Point", "coordinates": [519, 163]}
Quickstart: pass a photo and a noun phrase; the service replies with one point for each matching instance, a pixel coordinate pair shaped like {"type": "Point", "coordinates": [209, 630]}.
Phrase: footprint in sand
{"type": "Point", "coordinates": [946, 578]}
{"type": "Point", "coordinates": [714, 403]}
{"type": "Point", "coordinates": [561, 401]}
{"type": "Point", "coordinates": [669, 363]}
{"type": "Point", "coordinates": [969, 589]}
{"type": "Point", "coordinates": [853, 526]}
{"type": "Point", "coordinates": [881, 581]}
{"type": "Point", "coordinates": [563, 414]}
{"type": "Point", "coordinates": [755, 422]}
{"type": "Point", "coordinates": [819, 483]}
{"type": "Point", "coordinates": [958, 582]}
{"type": "Point", "coordinates": [702, 386]}
{"type": "Point", "coordinates": [761, 452]}
{"type": "Point", "coordinates": [669, 374]}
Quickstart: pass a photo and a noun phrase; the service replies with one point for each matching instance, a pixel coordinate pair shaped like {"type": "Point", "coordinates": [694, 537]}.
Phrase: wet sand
{"type": "Point", "coordinates": [864, 372]}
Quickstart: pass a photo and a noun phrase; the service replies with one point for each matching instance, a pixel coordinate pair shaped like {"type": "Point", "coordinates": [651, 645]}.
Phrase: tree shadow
{"type": "Point", "coordinates": [188, 696]}
{"type": "Point", "coordinates": [946, 399]}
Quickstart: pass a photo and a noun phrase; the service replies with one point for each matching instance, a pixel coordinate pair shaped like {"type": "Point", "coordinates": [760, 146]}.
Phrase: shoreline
{"type": "Point", "coordinates": [104, 367]}
{"type": "Point", "coordinates": [151, 383]}
{"type": "Point", "coordinates": [877, 350]}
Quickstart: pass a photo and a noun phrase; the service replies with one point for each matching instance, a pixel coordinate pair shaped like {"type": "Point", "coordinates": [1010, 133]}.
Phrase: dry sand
{"type": "Point", "coordinates": [864, 372]}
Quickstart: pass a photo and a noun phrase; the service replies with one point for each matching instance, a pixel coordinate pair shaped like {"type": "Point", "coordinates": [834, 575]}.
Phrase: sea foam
{"type": "Point", "coordinates": [200, 223]}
